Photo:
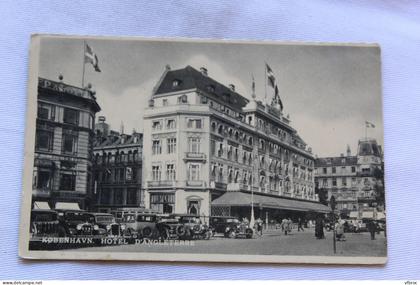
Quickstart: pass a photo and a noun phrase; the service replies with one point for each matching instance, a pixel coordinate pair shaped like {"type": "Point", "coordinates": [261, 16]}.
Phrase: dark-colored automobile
{"type": "Point", "coordinates": [76, 223]}
{"type": "Point", "coordinates": [45, 223]}
{"type": "Point", "coordinates": [170, 228]}
{"type": "Point", "coordinates": [230, 227]}
{"type": "Point", "coordinates": [194, 227]}
{"type": "Point", "coordinates": [106, 222]}
{"type": "Point", "coordinates": [140, 225]}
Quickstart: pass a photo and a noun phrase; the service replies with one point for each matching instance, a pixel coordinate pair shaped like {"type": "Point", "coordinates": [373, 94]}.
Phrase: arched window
{"type": "Point", "coordinates": [213, 127]}
{"type": "Point", "coordinates": [220, 129]}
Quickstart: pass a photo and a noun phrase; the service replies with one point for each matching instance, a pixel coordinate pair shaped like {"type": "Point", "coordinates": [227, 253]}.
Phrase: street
{"type": "Point", "coordinates": [273, 242]}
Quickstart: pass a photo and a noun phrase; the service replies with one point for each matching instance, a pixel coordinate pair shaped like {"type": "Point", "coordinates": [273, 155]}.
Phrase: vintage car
{"type": "Point", "coordinates": [230, 227]}
{"type": "Point", "coordinates": [140, 225]}
{"type": "Point", "coordinates": [170, 228]}
{"type": "Point", "coordinates": [105, 222]}
{"type": "Point", "coordinates": [45, 223]}
{"type": "Point", "coordinates": [194, 227]}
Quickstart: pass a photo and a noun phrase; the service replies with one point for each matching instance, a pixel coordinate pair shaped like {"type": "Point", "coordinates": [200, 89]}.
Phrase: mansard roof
{"type": "Point", "coordinates": [191, 78]}
{"type": "Point", "coordinates": [116, 140]}
{"type": "Point", "coordinates": [336, 161]}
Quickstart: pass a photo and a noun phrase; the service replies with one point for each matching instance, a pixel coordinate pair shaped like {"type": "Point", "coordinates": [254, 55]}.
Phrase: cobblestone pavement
{"type": "Point", "coordinates": [273, 242]}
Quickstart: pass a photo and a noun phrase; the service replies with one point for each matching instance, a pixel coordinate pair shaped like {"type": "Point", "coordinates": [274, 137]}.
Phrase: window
{"type": "Point", "coordinates": [156, 173]}
{"type": "Point", "coordinates": [220, 150]}
{"type": "Point", "coordinates": [170, 172]}
{"type": "Point", "coordinates": [171, 142]}
{"type": "Point", "coordinates": [344, 181]}
{"type": "Point", "coordinates": [176, 83]}
{"type": "Point", "coordinates": [71, 116]}
{"type": "Point", "coordinates": [334, 170]}
{"type": "Point", "coordinates": [194, 123]}
{"type": "Point", "coordinates": [170, 124]}
{"type": "Point", "coordinates": [68, 182]}
{"type": "Point", "coordinates": [194, 172]}
{"type": "Point", "coordinates": [69, 143]}
{"type": "Point", "coordinates": [129, 174]}
{"type": "Point", "coordinates": [118, 196]}
{"type": "Point", "coordinates": [46, 111]}
{"type": "Point", "coordinates": [164, 102]}
{"type": "Point", "coordinates": [353, 169]}
{"type": "Point", "coordinates": [334, 182]}
{"type": "Point", "coordinates": [43, 179]}
{"type": "Point", "coordinates": [324, 170]}
{"type": "Point", "coordinates": [44, 140]}
{"type": "Point", "coordinates": [156, 147]}
{"type": "Point", "coordinates": [194, 145]}
{"type": "Point", "coordinates": [325, 182]}
{"type": "Point", "coordinates": [193, 207]}
{"type": "Point", "coordinates": [156, 125]}
{"type": "Point", "coordinates": [162, 203]}
{"type": "Point", "coordinates": [131, 196]}
{"type": "Point", "coordinates": [212, 147]}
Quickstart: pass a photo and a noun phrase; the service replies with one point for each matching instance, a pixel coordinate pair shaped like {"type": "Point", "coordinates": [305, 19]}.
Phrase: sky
{"type": "Point", "coordinates": [328, 91]}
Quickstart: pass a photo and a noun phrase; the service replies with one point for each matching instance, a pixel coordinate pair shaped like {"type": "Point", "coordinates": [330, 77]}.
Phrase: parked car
{"type": "Point", "coordinates": [170, 228]}
{"type": "Point", "coordinates": [194, 227]}
{"type": "Point", "coordinates": [45, 223]}
{"type": "Point", "coordinates": [76, 223]}
{"type": "Point", "coordinates": [106, 222]}
{"type": "Point", "coordinates": [140, 225]}
{"type": "Point", "coordinates": [230, 227]}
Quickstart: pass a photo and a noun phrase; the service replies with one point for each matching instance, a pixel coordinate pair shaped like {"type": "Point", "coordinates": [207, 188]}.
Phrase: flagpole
{"type": "Point", "coordinates": [265, 84]}
{"type": "Point", "coordinates": [365, 131]}
{"type": "Point", "coordinates": [84, 63]}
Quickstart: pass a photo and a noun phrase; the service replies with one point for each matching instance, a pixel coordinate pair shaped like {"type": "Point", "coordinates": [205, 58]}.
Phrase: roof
{"type": "Point", "coordinates": [244, 199]}
{"type": "Point", "coordinates": [191, 78]}
{"type": "Point", "coordinates": [117, 140]}
{"type": "Point", "coordinates": [336, 161]}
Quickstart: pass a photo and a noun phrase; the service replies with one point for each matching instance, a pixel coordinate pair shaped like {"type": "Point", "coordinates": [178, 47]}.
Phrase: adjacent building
{"type": "Point", "coordinates": [117, 169]}
{"type": "Point", "coordinates": [63, 145]}
{"type": "Point", "coordinates": [211, 151]}
{"type": "Point", "coordinates": [354, 180]}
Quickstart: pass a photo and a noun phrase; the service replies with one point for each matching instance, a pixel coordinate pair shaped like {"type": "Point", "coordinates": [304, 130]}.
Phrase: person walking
{"type": "Point", "coordinates": [259, 224]}
{"type": "Point", "coordinates": [300, 225]}
{"type": "Point", "coordinates": [319, 227]}
{"type": "Point", "coordinates": [371, 225]}
{"type": "Point", "coordinates": [284, 226]}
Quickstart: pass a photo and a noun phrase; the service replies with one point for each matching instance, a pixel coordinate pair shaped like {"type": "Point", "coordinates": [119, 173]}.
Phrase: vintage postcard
{"type": "Point", "coordinates": [200, 150]}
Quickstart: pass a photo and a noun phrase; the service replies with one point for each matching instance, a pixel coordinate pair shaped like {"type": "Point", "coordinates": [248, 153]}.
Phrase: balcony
{"type": "Point", "coordinates": [41, 192]}
{"type": "Point", "coordinates": [195, 183]}
{"type": "Point", "coordinates": [68, 194]}
{"type": "Point", "coordinates": [196, 156]}
{"type": "Point", "coordinates": [161, 183]}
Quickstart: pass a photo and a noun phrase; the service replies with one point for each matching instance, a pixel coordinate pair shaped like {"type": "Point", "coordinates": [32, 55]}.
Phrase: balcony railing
{"type": "Point", "coordinates": [161, 183]}
{"type": "Point", "coordinates": [195, 183]}
{"type": "Point", "coordinates": [195, 156]}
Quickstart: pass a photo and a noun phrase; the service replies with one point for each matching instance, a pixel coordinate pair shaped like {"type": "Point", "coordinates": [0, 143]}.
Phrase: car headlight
{"type": "Point", "coordinates": [227, 228]}
{"type": "Point", "coordinates": [95, 227]}
{"type": "Point", "coordinates": [108, 227]}
{"type": "Point", "coordinates": [79, 227]}
{"type": "Point", "coordinates": [123, 227]}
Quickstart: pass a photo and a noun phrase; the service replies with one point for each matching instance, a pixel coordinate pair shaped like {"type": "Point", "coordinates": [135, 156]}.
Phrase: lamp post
{"type": "Point", "coordinates": [332, 205]}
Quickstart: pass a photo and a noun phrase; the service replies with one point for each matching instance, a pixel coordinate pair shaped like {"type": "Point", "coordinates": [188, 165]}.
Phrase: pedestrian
{"type": "Point", "coordinates": [284, 226]}
{"type": "Point", "coordinates": [339, 230]}
{"type": "Point", "coordinates": [319, 227]}
{"type": "Point", "coordinates": [300, 225]}
{"type": "Point", "coordinates": [289, 225]}
{"type": "Point", "coordinates": [259, 227]}
{"type": "Point", "coordinates": [371, 225]}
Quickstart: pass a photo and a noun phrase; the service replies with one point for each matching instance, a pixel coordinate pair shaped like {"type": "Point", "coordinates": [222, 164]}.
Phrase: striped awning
{"type": "Point", "coordinates": [264, 201]}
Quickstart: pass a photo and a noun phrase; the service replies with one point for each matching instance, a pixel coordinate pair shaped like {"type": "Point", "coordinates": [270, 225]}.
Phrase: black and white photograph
{"type": "Point", "coordinates": [203, 150]}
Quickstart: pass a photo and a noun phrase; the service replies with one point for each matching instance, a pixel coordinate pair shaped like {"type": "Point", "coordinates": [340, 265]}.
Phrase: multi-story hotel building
{"type": "Point", "coordinates": [210, 151]}
{"type": "Point", "coordinates": [117, 170]}
{"type": "Point", "coordinates": [353, 180]}
{"type": "Point", "coordinates": [63, 145]}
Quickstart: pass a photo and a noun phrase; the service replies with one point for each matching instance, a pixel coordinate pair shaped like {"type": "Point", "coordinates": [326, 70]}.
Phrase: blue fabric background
{"type": "Point", "coordinates": [395, 25]}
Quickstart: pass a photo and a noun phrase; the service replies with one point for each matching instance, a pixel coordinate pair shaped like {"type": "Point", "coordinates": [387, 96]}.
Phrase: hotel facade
{"type": "Point", "coordinates": [63, 145]}
{"type": "Point", "coordinates": [210, 151]}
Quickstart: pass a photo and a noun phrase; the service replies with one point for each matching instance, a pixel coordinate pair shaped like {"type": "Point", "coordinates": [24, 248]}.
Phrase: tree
{"type": "Point", "coordinates": [379, 186]}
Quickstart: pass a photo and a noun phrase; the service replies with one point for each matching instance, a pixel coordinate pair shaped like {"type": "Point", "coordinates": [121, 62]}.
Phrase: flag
{"type": "Point", "coordinates": [369, 125]}
{"type": "Point", "coordinates": [277, 99]}
{"type": "Point", "coordinates": [270, 75]}
{"type": "Point", "coordinates": [90, 57]}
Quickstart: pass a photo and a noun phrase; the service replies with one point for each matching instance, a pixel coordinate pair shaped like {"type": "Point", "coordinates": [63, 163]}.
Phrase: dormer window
{"type": "Point", "coordinates": [210, 88]}
{"type": "Point", "coordinates": [176, 83]}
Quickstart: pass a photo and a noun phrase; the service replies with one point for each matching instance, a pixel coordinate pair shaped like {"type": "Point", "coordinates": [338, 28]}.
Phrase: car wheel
{"type": "Point", "coordinates": [232, 234]}
{"type": "Point", "coordinates": [180, 230]}
{"type": "Point", "coordinates": [61, 232]}
{"type": "Point", "coordinates": [248, 233]}
{"type": "Point", "coordinates": [147, 232]}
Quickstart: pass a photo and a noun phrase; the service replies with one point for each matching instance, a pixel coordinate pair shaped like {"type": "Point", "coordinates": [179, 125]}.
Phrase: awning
{"type": "Point", "coordinates": [244, 199]}
{"type": "Point", "coordinates": [368, 215]}
{"type": "Point", "coordinates": [41, 205]}
{"type": "Point", "coordinates": [354, 214]}
{"type": "Point", "coordinates": [67, 206]}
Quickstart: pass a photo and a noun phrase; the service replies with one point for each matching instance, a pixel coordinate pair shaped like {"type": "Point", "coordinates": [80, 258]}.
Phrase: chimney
{"type": "Point", "coordinates": [203, 71]}
{"type": "Point", "coordinates": [232, 87]}
{"type": "Point", "coordinates": [348, 151]}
